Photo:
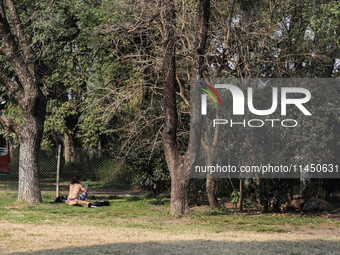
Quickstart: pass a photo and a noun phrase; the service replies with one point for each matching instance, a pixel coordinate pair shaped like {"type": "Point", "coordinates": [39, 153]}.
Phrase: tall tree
{"type": "Point", "coordinates": [22, 84]}
{"type": "Point", "coordinates": [179, 165]}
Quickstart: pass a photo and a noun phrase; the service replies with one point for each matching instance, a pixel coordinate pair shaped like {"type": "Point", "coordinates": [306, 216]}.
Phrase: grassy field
{"type": "Point", "coordinates": [137, 225]}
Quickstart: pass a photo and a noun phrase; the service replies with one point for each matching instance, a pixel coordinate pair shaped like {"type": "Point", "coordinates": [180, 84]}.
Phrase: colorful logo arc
{"type": "Point", "coordinates": [210, 94]}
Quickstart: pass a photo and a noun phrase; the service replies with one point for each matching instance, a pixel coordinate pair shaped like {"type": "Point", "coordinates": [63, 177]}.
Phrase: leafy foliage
{"type": "Point", "coordinates": [149, 171]}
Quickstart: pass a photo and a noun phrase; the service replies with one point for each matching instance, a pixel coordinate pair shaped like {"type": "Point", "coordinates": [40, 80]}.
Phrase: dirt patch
{"type": "Point", "coordinates": [327, 230]}
{"type": "Point", "coordinates": [66, 239]}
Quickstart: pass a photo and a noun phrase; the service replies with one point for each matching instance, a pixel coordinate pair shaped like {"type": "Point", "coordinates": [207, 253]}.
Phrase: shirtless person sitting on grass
{"type": "Point", "coordinates": [75, 188]}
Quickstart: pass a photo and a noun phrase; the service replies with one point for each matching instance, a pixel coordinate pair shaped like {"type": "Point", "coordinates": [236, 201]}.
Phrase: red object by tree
{"type": "Point", "coordinates": [4, 155]}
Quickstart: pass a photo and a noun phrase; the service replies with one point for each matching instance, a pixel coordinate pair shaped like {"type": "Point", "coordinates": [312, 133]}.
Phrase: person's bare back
{"type": "Point", "coordinates": [74, 190]}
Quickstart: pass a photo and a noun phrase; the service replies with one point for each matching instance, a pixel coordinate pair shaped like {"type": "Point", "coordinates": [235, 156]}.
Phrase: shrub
{"type": "Point", "coordinates": [149, 172]}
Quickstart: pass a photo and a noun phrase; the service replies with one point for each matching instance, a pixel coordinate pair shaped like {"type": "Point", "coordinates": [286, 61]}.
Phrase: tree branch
{"type": "Point", "coordinates": [181, 91]}
{"type": "Point", "coordinates": [10, 124]}
{"type": "Point", "coordinates": [25, 47]}
{"type": "Point", "coordinates": [12, 87]}
{"type": "Point", "coordinates": [2, 10]}
{"type": "Point", "coordinates": [11, 51]}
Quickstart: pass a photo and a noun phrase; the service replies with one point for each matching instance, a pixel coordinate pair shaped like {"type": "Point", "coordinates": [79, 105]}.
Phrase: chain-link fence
{"type": "Point", "coordinates": [103, 174]}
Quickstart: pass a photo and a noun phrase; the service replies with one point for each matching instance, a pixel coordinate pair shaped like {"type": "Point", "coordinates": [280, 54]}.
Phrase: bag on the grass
{"type": "Point", "coordinates": [101, 203]}
{"type": "Point", "coordinates": [60, 199]}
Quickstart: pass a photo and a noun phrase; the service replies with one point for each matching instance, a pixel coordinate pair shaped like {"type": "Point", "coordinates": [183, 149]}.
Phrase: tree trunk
{"type": "Point", "coordinates": [241, 195]}
{"type": "Point", "coordinates": [210, 183]}
{"type": "Point", "coordinates": [210, 187]}
{"type": "Point", "coordinates": [29, 190]}
{"type": "Point", "coordinates": [320, 192]}
{"type": "Point", "coordinates": [26, 92]}
{"type": "Point", "coordinates": [71, 141]}
{"type": "Point", "coordinates": [30, 138]}
{"type": "Point", "coordinates": [69, 150]}
{"type": "Point", "coordinates": [179, 165]}
{"type": "Point", "coordinates": [180, 180]}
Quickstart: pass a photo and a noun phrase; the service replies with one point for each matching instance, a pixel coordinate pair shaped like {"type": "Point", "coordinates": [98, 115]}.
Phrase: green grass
{"type": "Point", "coordinates": [143, 213]}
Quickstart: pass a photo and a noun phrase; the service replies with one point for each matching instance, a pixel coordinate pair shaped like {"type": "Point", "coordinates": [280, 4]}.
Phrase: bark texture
{"type": "Point", "coordinates": [179, 165]}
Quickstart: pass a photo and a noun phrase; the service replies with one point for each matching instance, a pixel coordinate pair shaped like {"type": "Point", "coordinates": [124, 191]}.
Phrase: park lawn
{"type": "Point", "coordinates": [146, 222]}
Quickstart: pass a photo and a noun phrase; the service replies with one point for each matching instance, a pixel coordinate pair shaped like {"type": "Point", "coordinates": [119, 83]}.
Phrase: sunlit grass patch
{"type": "Point", "coordinates": [133, 220]}
{"type": "Point", "coordinates": [148, 213]}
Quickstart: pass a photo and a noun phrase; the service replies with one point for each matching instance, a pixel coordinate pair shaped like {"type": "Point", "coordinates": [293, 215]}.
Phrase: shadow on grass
{"type": "Point", "coordinates": [316, 246]}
